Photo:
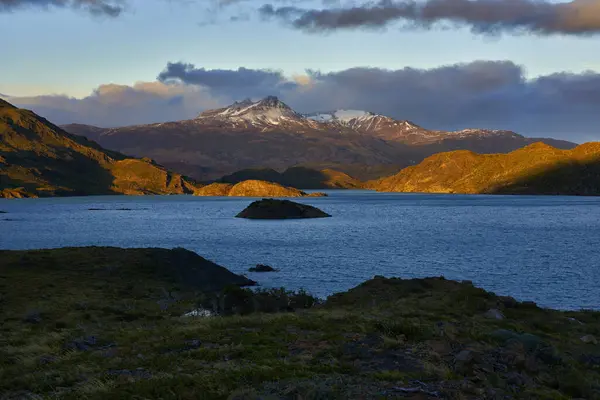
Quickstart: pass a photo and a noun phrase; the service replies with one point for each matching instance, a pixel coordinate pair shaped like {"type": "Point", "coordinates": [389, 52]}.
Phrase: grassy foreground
{"type": "Point", "coordinates": [106, 323]}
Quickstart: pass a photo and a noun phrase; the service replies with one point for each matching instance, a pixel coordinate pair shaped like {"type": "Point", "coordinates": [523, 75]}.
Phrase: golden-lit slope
{"type": "Point", "coordinates": [252, 188]}
{"type": "Point", "coordinates": [534, 169]}
{"type": "Point", "coordinates": [38, 158]}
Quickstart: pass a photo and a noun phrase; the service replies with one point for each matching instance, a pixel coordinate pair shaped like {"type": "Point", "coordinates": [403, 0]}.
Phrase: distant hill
{"type": "Point", "coordinates": [269, 134]}
{"type": "Point", "coordinates": [298, 177]}
{"type": "Point", "coordinates": [535, 169]}
{"type": "Point", "coordinates": [38, 158]}
{"type": "Point", "coordinates": [252, 188]}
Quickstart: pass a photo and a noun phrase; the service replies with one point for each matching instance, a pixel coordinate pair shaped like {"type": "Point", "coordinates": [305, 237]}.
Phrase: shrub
{"type": "Point", "coordinates": [236, 300]}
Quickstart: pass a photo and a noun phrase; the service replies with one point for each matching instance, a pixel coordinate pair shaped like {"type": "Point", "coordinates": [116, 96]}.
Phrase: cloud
{"type": "Point", "coordinates": [119, 105]}
{"type": "Point", "coordinates": [483, 94]}
{"type": "Point", "coordinates": [239, 83]}
{"type": "Point", "coordinates": [110, 8]}
{"type": "Point", "coordinates": [578, 17]}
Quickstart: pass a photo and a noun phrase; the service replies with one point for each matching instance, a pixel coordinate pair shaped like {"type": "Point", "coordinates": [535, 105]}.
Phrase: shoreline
{"type": "Point", "coordinates": [105, 322]}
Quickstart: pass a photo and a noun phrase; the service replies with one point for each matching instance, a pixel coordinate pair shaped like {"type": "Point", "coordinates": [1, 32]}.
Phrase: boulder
{"type": "Point", "coordinates": [494, 314]}
{"type": "Point", "coordinates": [590, 339]}
{"type": "Point", "coordinates": [280, 209]}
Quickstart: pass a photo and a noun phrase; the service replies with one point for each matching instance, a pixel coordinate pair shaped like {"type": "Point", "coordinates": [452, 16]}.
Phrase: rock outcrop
{"type": "Point", "coordinates": [253, 188]}
{"type": "Point", "coordinates": [214, 189]}
{"type": "Point", "coordinates": [268, 133]}
{"type": "Point", "coordinates": [179, 267]}
{"type": "Point", "coordinates": [280, 209]}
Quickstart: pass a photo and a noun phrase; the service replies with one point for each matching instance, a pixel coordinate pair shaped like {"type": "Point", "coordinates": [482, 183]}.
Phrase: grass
{"type": "Point", "coordinates": [71, 330]}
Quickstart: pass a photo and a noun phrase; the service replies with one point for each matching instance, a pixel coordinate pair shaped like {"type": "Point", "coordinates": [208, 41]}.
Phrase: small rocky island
{"type": "Point", "coordinates": [280, 209]}
{"type": "Point", "coordinates": [253, 188]}
{"type": "Point", "coordinates": [262, 268]}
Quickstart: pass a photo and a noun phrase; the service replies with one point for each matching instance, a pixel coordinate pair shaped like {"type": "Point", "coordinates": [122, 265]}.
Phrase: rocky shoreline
{"type": "Point", "coordinates": [101, 323]}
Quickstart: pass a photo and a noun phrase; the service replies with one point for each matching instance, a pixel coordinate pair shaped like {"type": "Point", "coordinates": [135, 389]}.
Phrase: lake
{"type": "Point", "coordinates": [539, 248]}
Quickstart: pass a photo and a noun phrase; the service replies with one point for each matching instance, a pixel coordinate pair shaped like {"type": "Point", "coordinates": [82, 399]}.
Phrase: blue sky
{"type": "Point", "coordinates": [65, 51]}
{"type": "Point", "coordinates": [538, 74]}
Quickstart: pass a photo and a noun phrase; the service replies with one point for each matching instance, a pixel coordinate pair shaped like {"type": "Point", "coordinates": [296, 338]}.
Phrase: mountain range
{"type": "Point", "coordinates": [37, 158]}
{"type": "Point", "coordinates": [269, 134]}
{"type": "Point", "coordinates": [534, 169]}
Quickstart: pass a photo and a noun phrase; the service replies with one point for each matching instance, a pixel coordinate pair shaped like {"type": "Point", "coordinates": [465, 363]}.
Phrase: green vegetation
{"type": "Point", "coordinates": [39, 159]}
{"type": "Point", "coordinates": [99, 323]}
{"type": "Point", "coordinates": [535, 169]}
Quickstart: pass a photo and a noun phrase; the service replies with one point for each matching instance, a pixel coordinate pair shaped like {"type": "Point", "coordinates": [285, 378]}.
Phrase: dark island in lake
{"type": "Point", "coordinates": [280, 209]}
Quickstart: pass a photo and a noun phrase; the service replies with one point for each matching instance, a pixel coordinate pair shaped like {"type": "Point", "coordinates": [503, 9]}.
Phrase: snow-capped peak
{"type": "Point", "coordinates": [363, 121]}
{"type": "Point", "coordinates": [269, 110]}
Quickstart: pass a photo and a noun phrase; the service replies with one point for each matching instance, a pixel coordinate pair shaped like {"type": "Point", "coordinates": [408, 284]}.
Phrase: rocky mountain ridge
{"type": "Point", "coordinates": [269, 134]}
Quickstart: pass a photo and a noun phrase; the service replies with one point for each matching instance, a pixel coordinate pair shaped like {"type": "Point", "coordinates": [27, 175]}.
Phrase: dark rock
{"type": "Point", "coordinates": [528, 304]}
{"type": "Point", "coordinates": [87, 343]}
{"type": "Point", "coordinates": [33, 317]}
{"type": "Point", "coordinates": [262, 268]}
{"type": "Point", "coordinates": [507, 301]}
{"type": "Point", "coordinates": [193, 344]}
{"type": "Point", "coordinates": [494, 314]}
{"type": "Point", "coordinates": [504, 335]}
{"type": "Point", "coordinates": [593, 360]}
{"type": "Point", "coordinates": [531, 342]}
{"type": "Point", "coordinates": [3, 212]}
{"type": "Point", "coordinates": [590, 339]}
{"type": "Point", "coordinates": [280, 209]}
{"type": "Point", "coordinates": [47, 359]}
{"type": "Point", "coordinates": [135, 374]}
{"type": "Point", "coordinates": [464, 356]}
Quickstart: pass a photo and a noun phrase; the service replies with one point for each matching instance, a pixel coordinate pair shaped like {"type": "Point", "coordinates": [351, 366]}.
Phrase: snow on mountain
{"type": "Point", "coordinates": [271, 113]}
{"type": "Point", "coordinates": [341, 116]}
{"type": "Point", "coordinates": [268, 111]}
{"type": "Point", "coordinates": [369, 123]}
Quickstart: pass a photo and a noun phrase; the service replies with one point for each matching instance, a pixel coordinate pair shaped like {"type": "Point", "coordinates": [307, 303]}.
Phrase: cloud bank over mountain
{"type": "Point", "coordinates": [578, 17]}
{"type": "Point", "coordinates": [485, 94]}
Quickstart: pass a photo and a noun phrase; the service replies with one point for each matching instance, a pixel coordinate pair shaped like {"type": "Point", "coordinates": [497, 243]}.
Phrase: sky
{"type": "Point", "coordinates": [528, 66]}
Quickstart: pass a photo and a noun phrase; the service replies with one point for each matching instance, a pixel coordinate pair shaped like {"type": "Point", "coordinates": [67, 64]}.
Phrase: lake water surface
{"type": "Point", "coordinates": [544, 249]}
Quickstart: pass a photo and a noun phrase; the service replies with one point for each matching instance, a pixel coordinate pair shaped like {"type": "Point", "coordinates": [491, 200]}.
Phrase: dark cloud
{"type": "Point", "coordinates": [242, 82]}
{"type": "Point", "coordinates": [111, 8]}
{"type": "Point", "coordinates": [481, 94]}
{"type": "Point", "coordinates": [487, 94]}
{"type": "Point", "coordinates": [578, 17]}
